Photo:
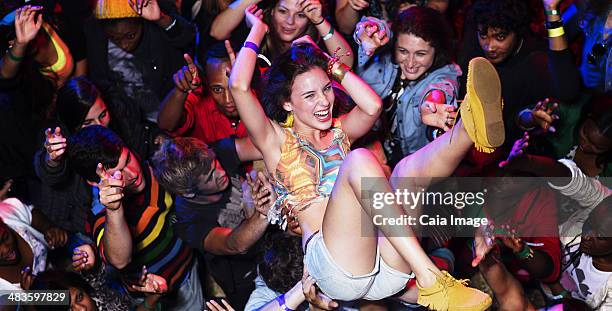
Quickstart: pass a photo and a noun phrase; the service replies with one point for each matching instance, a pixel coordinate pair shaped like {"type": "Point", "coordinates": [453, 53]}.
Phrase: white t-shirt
{"type": "Point", "coordinates": [584, 281]}
{"type": "Point", "coordinates": [18, 217]}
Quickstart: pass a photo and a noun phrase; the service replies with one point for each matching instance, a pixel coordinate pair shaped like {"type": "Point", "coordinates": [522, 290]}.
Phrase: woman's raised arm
{"type": "Point", "coordinates": [261, 129]}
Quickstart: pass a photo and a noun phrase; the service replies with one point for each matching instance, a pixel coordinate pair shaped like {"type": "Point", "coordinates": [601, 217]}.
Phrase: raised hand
{"type": "Point", "coordinates": [254, 17]}
{"type": "Point", "coordinates": [55, 145]}
{"type": "Point", "coordinates": [150, 283]}
{"type": "Point", "coordinates": [358, 5]}
{"type": "Point", "coordinates": [518, 150]}
{"type": "Point", "coordinates": [110, 187]}
{"type": "Point", "coordinates": [372, 33]}
{"type": "Point", "coordinates": [551, 4]}
{"type": "Point", "coordinates": [313, 10]}
{"type": "Point", "coordinates": [56, 237]}
{"type": "Point", "coordinates": [148, 9]}
{"type": "Point", "coordinates": [83, 258]}
{"type": "Point", "coordinates": [27, 24]}
{"type": "Point", "coordinates": [544, 114]}
{"type": "Point", "coordinates": [435, 112]}
{"type": "Point", "coordinates": [230, 53]}
{"type": "Point", "coordinates": [187, 78]}
{"type": "Point", "coordinates": [313, 295]}
{"type": "Point", "coordinates": [215, 306]}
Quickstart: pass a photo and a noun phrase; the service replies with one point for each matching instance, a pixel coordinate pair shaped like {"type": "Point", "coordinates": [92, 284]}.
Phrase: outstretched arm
{"type": "Point", "coordinates": [261, 129]}
{"type": "Point", "coordinates": [229, 19]}
{"type": "Point", "coordinates": [27, 26]}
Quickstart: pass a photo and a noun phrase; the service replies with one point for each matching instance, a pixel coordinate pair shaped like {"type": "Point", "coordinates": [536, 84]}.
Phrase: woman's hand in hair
{"type": "Point", "coordinates": [372, 35]}
{"type": "Point", "coordinates": [254, 17]}
{"type": "Point", "coordinates": [27, 23]}
{"type": "Point", "coordinates": [313, 10]}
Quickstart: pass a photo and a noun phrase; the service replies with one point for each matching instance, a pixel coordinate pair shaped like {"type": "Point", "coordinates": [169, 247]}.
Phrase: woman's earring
{"type": "Point", "coordinates": [289, 121]}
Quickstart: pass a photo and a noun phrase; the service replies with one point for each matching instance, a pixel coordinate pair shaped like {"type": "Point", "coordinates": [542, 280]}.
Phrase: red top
{"type": "Point", "coordinates": [204, 121]}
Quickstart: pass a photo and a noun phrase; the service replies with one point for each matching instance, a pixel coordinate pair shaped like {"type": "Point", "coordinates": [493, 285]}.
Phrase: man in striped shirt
{"type": "Point", "coordinates": [131, 216]}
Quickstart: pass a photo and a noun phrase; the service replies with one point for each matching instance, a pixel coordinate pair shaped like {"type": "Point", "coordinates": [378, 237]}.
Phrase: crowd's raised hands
{"type": "Point", "coordinates": [148, 9]}
{"type": "Point", "coordinates": [111, 188]}
{"type": "Point", "coordinates": [313, 10]}
{"type": "Point", "coordinates": [150, 283]}
{"type": "Point", "coordinates": [55, 146]}
{"type": "Point", "coordinates": [187, 78]}
{"type": "Point", "coordinates": [518, 150]}
{"type": "Point", "coordinates": [254, 17]}
{"type": "Point", "coordinates": [83, 258]}
{"type": "Point", "coordinates": [371, 33]}
{"type": "Point", "coordinates": [28, 21]}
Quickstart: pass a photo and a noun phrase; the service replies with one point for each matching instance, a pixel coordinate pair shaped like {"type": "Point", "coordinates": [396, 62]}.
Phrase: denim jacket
{"type": "Point", "coordinates": [380, 73]}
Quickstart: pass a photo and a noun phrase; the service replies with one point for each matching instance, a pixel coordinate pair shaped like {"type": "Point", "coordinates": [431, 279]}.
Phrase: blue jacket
{"type": "Point", "coordinates": [380, 73]}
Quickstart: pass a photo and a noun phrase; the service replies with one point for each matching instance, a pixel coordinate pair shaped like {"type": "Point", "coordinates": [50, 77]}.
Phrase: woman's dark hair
{"type": "Point", "coordinates": [56, 280]}
{"type": "Point", "coordinates": [74, 100]}
{"type": "Point", "coordinates": [282, 263]}
{"type": "Point", "coordinates": [507, 15]}
{"type": "Point", "coordinates": [272, 44]}
{"type": "Point", "coordinates": [276, 90]}
{"type": "Point", "coordinates": [429, 25]}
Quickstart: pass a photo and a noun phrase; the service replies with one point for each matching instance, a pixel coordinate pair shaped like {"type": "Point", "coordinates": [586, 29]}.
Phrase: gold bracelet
{"type": "Point", "coordinates": [339, 72]}
{"type": "Point", "coordinates": [556, 32]}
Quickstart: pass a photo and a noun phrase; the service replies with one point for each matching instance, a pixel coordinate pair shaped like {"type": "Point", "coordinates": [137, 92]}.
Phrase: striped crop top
{"type": "Point", "coordinates": [304, 174]}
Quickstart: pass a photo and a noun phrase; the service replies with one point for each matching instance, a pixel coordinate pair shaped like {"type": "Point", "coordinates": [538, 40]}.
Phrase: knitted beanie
{"type": "Point", "coordinates": [110, 9]}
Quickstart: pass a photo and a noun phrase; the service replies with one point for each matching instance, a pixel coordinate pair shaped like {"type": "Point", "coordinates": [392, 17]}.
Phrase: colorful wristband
{"type": "Point", "coordinates": [252, 46]}
{"type": "Point", "coordinates": [282, 304]}
{"type": "Point", "coordinates": [329, 35]}
{"type": "Point", "coordinates": [552, 12]}
{"type": "Point", "coordinates": [557, 32]}
{"type": "Point", "coordinates": [13, 57]}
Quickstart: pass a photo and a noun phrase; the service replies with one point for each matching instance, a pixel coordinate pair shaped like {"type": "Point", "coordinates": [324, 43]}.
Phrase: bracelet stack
{"type": "Point", "coordinates": [12, 57]}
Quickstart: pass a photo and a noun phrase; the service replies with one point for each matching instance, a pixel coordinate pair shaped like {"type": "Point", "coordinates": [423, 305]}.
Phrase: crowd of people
{"type": "Point", "coordinates": [252, 154]}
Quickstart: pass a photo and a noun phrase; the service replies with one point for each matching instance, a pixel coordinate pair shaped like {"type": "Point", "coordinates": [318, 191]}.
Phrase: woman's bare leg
{"type": "Point", "coordinates": [348, 229]}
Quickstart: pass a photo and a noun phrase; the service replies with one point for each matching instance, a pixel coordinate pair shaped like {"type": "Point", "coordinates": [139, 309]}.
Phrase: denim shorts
{"type": "Point", "coordinates": [339, 284]}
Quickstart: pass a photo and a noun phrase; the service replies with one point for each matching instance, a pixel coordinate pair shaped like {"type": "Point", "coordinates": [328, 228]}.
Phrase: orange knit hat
{"type": "Point", "coordinates": [110, 9]}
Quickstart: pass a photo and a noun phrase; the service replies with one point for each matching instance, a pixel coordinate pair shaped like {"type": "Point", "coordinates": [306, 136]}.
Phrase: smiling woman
{"type": "Point", "coordinates": [422, 90]}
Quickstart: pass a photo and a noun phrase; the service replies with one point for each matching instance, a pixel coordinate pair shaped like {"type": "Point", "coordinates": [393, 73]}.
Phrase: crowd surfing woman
{"type": "Point", "coordinates": [414, 76]}
{"type": "Point", "coordinates": [292, 19]}
{"type": "Point", "coordinates": [320, 182]}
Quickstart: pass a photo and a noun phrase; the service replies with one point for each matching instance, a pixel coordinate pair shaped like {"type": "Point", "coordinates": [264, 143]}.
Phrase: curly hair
{"type": "Point", "coordinates": [507, 15]}
{"type": "Point", "coordinates": [429, 25]}
{"type": "Point", "coordinates": [92, 145]}
{"type": "Point", "coordinates": [276, 90]}
{"type": "Point", "coordinates": [281, 265]}
{"type": "Point", "coordinates": [179, 162]}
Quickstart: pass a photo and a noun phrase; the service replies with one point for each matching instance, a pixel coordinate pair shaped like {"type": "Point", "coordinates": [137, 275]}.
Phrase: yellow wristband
{"type": "Point", "coordinates": [556, 32]}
